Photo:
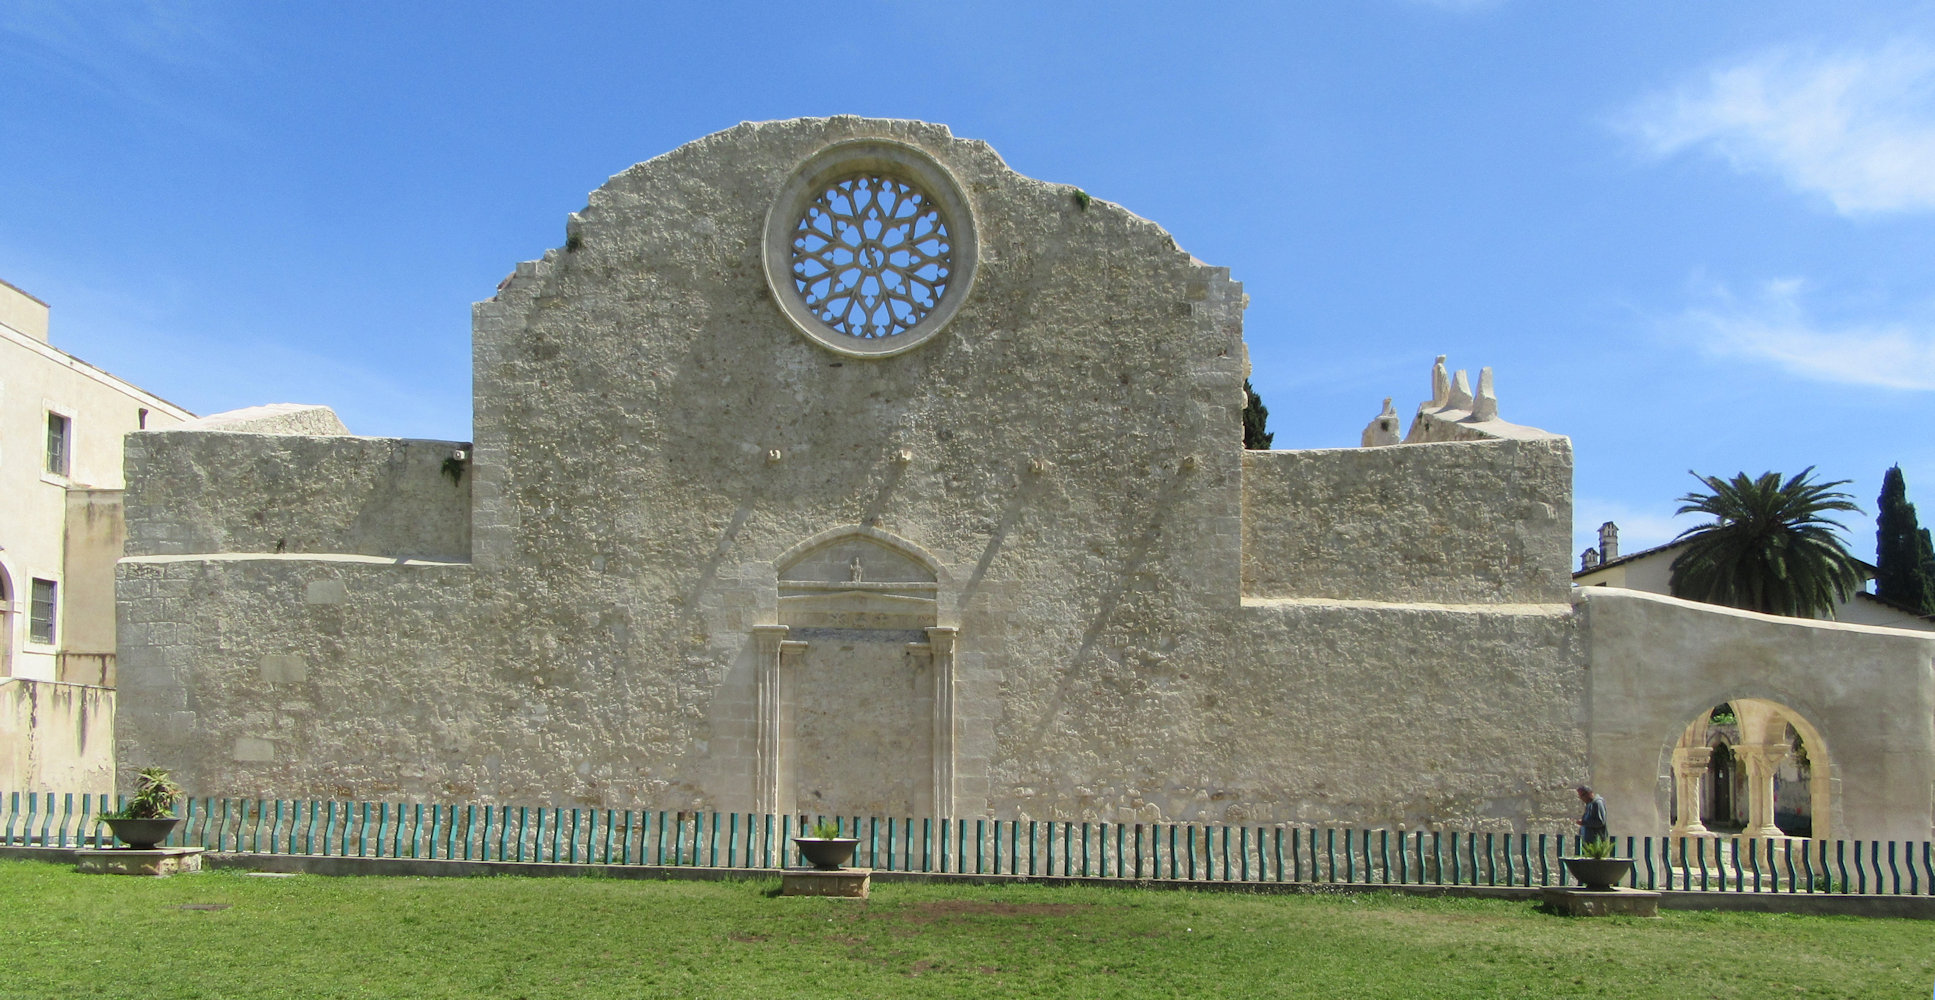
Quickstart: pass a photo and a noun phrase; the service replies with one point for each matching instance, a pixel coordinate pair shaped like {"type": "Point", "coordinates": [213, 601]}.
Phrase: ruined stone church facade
{"type": "Point", "coordinates": [830, 466]}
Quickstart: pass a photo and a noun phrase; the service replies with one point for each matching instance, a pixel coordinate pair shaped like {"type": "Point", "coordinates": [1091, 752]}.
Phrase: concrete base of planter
{"type": "Point", "coordinates": [1618, 901]}
{"type": "Point", "coordinates": [846, 883]}
{"type": "Point", "coordinates": [124, 861]}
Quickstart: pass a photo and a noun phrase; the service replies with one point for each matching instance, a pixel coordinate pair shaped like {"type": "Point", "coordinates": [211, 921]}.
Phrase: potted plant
{"type": "Point", "coordinates": [145, 820]}
{"type": "Point", "coordinates": [1595, 868]}
{"type": "Point", "coordinates": [824, 848]}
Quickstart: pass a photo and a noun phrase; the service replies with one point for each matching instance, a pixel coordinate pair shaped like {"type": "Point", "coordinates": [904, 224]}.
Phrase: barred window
{"type": "Point", "coordinates": [40, 612]}
{"type": "Point", "coordinates": [59, 443]}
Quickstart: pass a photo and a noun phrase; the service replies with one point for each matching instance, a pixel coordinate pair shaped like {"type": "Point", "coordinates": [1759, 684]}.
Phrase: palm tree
{"type": "Point", "coordinates": [1769, 548]}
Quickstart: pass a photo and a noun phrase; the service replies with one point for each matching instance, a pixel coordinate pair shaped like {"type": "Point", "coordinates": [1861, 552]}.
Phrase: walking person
{"type": "Point", "coordinates": [1592, 823]}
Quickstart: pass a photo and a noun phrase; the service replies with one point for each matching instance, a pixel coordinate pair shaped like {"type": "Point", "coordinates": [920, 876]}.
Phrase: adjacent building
{"type": "Point", "coordinates": [61, 425]}
{"type": "Point", "coordinates": [1651, 569]}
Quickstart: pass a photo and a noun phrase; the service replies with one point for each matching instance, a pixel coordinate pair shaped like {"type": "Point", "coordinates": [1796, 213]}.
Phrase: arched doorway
{"type": "Point", "coordinates": [1717, 812]}
{"type": "Point", "coordinates": [1751, 766]}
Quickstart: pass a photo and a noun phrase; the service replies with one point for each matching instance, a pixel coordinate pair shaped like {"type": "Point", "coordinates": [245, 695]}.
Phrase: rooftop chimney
{"type": "Point", "coordinates": [1608, 542]}
{"type": "Point", "coordinates": [1588, 560]}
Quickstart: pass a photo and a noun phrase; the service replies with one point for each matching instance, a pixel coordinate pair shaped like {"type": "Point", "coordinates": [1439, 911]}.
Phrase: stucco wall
{"type": "Point", "coordinates": [36, 380]}
{"type": "Point", "coordinates": [209, 491]}
{"type": "Point", "coordinates": [56, 737]}
{"type": "Point", "coordinates": [1466, 522]}
{"type": "Point", "coordinates": [654, 440]}
{"type": "Point", "coordinates": [94, 536]}
{"type": "Point", "coordinates": [1657, 663]}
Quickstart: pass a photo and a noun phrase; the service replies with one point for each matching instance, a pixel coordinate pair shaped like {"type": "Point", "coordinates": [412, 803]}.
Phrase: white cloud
{"type": "Point", "coordinates": [1856, 127]}
{"type": "Point", "coordinates": [122, 50]}
{"type": "Point", "coordinates": [1774, 325]}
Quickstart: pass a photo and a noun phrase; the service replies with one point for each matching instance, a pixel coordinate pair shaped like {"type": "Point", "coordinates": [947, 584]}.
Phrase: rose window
{"type": "Point", "coordinates": [871, 256]}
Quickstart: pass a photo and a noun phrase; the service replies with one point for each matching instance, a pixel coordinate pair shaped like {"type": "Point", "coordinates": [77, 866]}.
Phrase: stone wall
{"type": "Point", "coordinates": [333, 676]}
{"type": "Point", "coordinates": [1055, 481]}
{"type": "Point", "coordinates": [208, 491]}
{"type": "Point", "coordinates": [1480, 522]}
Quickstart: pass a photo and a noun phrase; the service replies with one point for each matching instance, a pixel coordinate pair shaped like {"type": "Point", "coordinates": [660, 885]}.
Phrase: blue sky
{"type": "Point", "coordinates": [1688, 235]}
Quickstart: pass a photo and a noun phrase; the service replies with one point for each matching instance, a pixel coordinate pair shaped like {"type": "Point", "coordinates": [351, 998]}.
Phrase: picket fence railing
{"type": "Point", "coordinates": [1192, 852]}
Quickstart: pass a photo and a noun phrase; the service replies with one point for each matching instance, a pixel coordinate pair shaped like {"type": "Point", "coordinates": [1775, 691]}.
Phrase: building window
{"type": "Point", "coordinates": [40, 613]}
{"type": "Point", "coordinates": [60, 442]}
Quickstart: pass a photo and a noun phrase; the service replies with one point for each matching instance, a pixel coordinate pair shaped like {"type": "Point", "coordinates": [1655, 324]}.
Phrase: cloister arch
{"type": "Point", "coordinates": [1759, 745]}
{"type": "Point", "coordinates": [1862, 699]}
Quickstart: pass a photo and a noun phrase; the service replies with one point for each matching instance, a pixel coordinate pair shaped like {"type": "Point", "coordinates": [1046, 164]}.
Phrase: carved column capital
{"type": "Point", "coordinates": [1693, 760]}
{"type": "Point", "coordinates": [769, 637]}
{"type": "Point", "coordinates": [1764, 756]}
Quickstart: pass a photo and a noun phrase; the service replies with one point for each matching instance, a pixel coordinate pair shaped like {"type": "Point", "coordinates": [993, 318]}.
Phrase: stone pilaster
{"type": "Point", "coordinates": [942, 640]}
{"type": "Point", "coordinates": [769, 746]}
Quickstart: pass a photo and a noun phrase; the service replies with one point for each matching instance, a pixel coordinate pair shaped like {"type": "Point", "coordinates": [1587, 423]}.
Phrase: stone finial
{"type": "Point", "coordinates": [1588, 560]}
{"type": "Point", "coordinates": [1383, 428]}
{"type": "Point", "coordinates": [1460, 398]}
{"type": "Point", "coordinates": [1485, 405]}
{"type": "Point", "coordinates": [1609, 541]}
{"type": "Point", "coordinates": [1440, 383]}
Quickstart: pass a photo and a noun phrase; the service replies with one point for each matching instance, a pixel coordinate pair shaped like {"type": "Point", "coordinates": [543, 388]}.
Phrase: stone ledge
{"type": "Point", "coordinates": [160, 862]}
{"type": "Point", "coordinates": [844, 883]}
{"type": "Point", "coordinates": [1617, 901]}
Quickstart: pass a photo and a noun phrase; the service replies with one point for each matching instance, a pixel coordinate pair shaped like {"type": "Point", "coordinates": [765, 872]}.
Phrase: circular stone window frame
{"type": "Point", "coordinates": [876, 157]}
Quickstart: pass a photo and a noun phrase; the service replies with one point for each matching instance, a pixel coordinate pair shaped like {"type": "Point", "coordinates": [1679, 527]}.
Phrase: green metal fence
{"type": "Point", "coordinates": [1192, 852]}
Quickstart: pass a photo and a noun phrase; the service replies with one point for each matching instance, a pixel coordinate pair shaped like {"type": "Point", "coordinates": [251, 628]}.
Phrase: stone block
{"type": "Point", "coordinates": [161, 861]}
{"type": "Point", "coordinates": [284, 668]}
{"type": "Point", "coordinates": [325, 592]}
{"type": "Point", "coordinates": [1619, 901]}
{"type": "Point", "coordinates": [846, 883]}
{"type": "Point", "coordinates": [249, 749]}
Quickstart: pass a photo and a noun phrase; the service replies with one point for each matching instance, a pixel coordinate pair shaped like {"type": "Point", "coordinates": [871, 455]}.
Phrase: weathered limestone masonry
{"type": "Point", "coordinates": [985, 542]}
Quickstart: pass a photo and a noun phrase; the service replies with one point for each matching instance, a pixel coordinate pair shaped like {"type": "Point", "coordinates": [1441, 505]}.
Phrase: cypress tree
{"type": "Point", "coordinates": [1255, 414]}
{"type": "Point", "coordinates": [1904, 558]}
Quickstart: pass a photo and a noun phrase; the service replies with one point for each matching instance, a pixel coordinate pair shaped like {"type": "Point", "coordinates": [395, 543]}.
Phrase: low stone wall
{"type": "Point", "coordinates": [56, 736]}
{"type": "Point", "coordinates": [337, 675]}
{"type": "Point", "coordinates": [209, 491]}
{"type": "Point", "coordinates": [1480, 522]}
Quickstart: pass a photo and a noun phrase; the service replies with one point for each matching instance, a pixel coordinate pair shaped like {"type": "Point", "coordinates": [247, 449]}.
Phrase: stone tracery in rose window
{"type": "Point", "coordinates": [871, 256]}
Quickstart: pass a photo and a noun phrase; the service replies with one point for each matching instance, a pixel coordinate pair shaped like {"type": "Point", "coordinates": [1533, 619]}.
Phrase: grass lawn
{"type": "Point", "coordinates": [225, 934]}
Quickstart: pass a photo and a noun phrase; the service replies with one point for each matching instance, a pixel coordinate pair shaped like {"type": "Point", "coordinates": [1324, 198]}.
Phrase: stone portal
{"type": "Point", "coordinates": [856, 688]}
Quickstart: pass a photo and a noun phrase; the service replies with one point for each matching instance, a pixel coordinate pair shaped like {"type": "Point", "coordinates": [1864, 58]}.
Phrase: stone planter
{"type": "Point", "coordinates": [827, 854]}
{"type": "Point", "coordinates": [1599, 874]}
{"type": "Point", "coordinates": [142, 834]}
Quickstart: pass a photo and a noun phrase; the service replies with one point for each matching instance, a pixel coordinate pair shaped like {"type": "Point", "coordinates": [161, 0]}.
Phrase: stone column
{"type": "Point", "coordinates": [942, 640]}
{"type": "Point", "coordinates": [767, 749]}
{"type": "Point", "coordinates": [1689, 771]}
{"type": "Point", "coordinates": [1762, 760]}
